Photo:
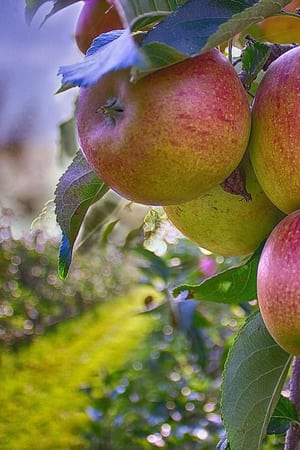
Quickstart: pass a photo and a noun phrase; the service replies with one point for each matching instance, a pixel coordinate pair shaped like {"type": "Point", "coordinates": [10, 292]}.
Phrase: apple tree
{"type": "Point", "coordinates": [169, 91]}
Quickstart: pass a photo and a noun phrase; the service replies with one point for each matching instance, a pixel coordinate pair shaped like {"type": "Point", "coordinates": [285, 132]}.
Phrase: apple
{"type": "Point", "coordinates": [278, 283]}
{"type": "Point", "coordinates": [170, 136]}
{"type": "Point", "coordinates": [96, 17]}
{"type": "Point", "coordinates": [228, 224]}
{"type": "Point", "coordinates": [275, 138]}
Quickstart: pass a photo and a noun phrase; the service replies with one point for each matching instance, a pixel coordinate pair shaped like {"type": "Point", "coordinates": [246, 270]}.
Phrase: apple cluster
{"type": "Point", "coordinates": [274, 148]}
{"type": "Point", "coordinates": [227, 174]}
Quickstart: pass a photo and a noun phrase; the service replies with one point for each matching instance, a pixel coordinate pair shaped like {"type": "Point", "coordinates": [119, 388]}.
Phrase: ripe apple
{"type": "Point", "coordinates": [278, 283]}
{"type": "Point", "coordinates": [96, 17]}
{"type": "Point", "coordinates": [275, 138]}
{"type": "Point", "coordinates": [224, 223]}
{"type": "Point", "coordinates": [171, 135]}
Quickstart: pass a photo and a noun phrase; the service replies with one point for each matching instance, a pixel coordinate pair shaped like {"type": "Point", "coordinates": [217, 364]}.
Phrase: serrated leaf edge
{"type": "Point", "coordinates": [280, 380]}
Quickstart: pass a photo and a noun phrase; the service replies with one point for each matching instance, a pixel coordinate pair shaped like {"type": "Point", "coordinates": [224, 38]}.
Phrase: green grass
{"type": "Point", "coordinates": [41, 406]}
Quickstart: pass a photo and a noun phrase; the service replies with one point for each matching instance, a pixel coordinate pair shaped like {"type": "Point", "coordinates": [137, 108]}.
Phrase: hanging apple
{"type": "Point", "coordinates": [275, 139]}
{"type": "Point", "coordinates": [278, 283]}
{"type": "Point", "coordinates": [170, 136]}
{"type": "Point", "coordinates": [225, 223]}
{"type": "Point", "coordinates": [96, 17]}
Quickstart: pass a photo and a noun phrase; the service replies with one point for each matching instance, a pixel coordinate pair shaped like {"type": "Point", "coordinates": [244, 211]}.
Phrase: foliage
{"type": "Point", "coordinates": [33, 298]}
{"type": "Point", "coordinates": [256, 367]}
{"type": "Point", "coordinates": [234, 285]}
{"type": "Point", "coordinates": [40, 396]}
{"type": "Point", "coordinates": [168, 395]}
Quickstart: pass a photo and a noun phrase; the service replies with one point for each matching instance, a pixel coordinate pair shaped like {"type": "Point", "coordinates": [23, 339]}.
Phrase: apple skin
{"type": "Point", "coordinates": [275, 138]}
{"type": "Point", "coordinates": [278, 283]}
{"type": "Point", "coordinates": [96, 17]}
{"type": "Point", "coordinates": [224, 223]}
{"type": "Point", "coordinates": [170, 136]}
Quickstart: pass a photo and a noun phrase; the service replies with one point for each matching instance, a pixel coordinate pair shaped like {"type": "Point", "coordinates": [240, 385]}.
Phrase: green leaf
{"type": "Point", "coordinates": [188, 30]}
{"type": "Point", "coordinates": [32, 7]}
{"type": "Point", "coordinates": [254, 56]}
{"type": "Point", "coordinates": [253, 59]}
{"type": "Point", "coordinates": [254, 374]}
{"type": "Point", "coordinates": [232, 286]}
{"type": "Point", "coordinates": [76, 191]}
{"type": "Point", "coordinates": [141, 13]}
{"type": "Point", "coordinates": [112, 51]}
{"type": "Point", "coordinates": [285, 413]}
{"type": "Point", "coordinates": [199, 25]}
{"type": "Point", "coordinates": [159, 55]}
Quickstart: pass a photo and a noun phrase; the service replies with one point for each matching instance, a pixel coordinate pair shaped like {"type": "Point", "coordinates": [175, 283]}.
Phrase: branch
{"type": "Point", "coordinates": [292, 441]}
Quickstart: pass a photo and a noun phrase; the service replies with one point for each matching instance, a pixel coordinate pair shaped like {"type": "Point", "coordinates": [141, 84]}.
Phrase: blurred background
{"type": "Point", "coordinates": [30, 112]}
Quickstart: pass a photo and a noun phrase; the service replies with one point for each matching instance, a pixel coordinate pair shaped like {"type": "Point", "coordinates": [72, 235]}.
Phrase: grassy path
{"type": "Point", "coordinates": [40, 405]}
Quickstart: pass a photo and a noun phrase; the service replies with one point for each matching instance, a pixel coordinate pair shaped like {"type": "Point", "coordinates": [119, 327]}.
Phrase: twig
{"type": "Point", "coordinates": [292, 441]}
{"type": "Point", "coordinates": [230, 45]}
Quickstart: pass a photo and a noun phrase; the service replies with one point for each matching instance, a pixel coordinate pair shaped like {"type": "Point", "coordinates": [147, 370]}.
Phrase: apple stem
{"type": "Point", "coordinates": [292, 441]}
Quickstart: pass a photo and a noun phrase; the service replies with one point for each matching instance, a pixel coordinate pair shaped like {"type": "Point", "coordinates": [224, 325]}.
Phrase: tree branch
{"type": "Point", "coordinates": [292, 441]}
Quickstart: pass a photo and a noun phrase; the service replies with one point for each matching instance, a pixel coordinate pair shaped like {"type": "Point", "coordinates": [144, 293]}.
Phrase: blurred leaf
{"type": "Point", "coordinates": [134, 237]}
{"type": "Point", "coordinates": [108, 230]}
{"type": "Point", "coordinates": [187, 310]}
{"type": "Point", "coordinates": [32, 7]}
{"type": "Point", "coordinates": [199, 25]}
{"type": "Point", "coordinates": [155, 266]}
{"type": "Point", "coordinates": [254, 373]}
{"type": "Point", "coordinates": [232, 286]}
{"type": "Point", "coordinates": [281, 29]}
{"type": "Point", "coordinates": [45, 218]}
{"type": "Point", "coordinates": [111, 51]}
{"type": "Point", "coordinates": [284, 413]}
{"type": "Point", "coordinates": [153, 305]}
{"type": "Point", "coordinates": [189, 325]}
{"type": "Point", "coordinates": [189, 316]}
{"type": "Point", "coordinates": [76, 191]}
{"type": "Point", "coordinates": [68, 140]}
{"type": "Point", "coordinates": [96, 218]}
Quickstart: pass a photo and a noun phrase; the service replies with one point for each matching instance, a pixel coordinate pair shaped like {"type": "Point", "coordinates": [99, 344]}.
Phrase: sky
{"type": "Point", "coordinates": [30, 57]}
{"type": "Point", "coordinates": [30, 112]}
